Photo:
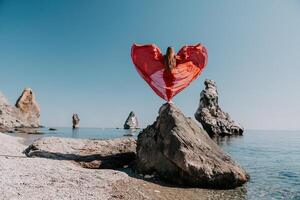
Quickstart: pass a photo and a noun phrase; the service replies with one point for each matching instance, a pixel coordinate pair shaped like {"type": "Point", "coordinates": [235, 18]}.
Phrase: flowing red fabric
{"type": "Point", "coordinates": [150, 64]}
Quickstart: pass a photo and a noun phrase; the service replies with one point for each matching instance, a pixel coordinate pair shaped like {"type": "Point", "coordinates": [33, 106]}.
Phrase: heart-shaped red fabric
{"type": "Point", "coordinates": [150, 64]}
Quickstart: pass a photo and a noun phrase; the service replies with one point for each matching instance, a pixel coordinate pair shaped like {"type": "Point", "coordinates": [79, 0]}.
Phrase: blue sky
{"type": "Point", "coordinates": [76, 57]}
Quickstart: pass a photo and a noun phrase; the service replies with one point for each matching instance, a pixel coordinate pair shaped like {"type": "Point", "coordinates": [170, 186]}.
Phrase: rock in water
{"type": "Point", "coordinates": [213, 119]}
{"type": "Point", "coordinates": [178, 150]}
{"type": "Point", "coordinates": [26, 113]}
{"type": "Point", "coordinates": [131, 121]}
{"type": "Point", "coordinates": [75, 121]}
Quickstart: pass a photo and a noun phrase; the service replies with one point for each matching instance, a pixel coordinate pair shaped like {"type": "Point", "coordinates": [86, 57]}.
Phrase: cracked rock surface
{"type": "Point", "coordinates": [178, 150]}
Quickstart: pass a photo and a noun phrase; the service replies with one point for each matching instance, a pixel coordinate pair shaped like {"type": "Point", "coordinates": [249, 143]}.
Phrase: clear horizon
{"type": "Point", "coordinates": [76, 57]}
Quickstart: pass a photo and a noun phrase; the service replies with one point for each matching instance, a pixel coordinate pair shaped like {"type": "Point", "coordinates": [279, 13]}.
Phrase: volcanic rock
{"type": "Point", "coordinates": [213, 119]}
{"type": "Point", "coordinates": [178, 150]}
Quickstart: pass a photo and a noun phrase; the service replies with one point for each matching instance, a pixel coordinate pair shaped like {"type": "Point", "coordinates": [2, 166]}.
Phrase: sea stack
{"type": "Point", "coordinates": [75, 121]}
{"type": "Point", "coordinates": [25, 113]}
{"type": "Point", "coordinates": [214, 120]}
{"type": "Point", "coordinates": [179, 151]}
{"type": "Point", "coordinates": [28, 106]}
{"type": "Point", "coordinates": [131, 121]}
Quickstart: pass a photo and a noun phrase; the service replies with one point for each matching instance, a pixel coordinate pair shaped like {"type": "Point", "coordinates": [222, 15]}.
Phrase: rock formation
{"type": "Point", "coordinates": [28, 106]}
{"type": "Point", "coordinates": [178, 150]}
{"type": "Point", "coordinates": [26, 113]}
{"type": "Point", "coordinates": [213, 119]}
{"type": "Point", "coordinates": [131, 121]}
{"type": "Point", "coordinates": [75, 121]}
{"type": "Point", "coordinates": [102, 154]}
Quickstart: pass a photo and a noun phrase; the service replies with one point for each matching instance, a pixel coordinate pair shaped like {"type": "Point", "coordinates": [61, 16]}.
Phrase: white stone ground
{"type": "Point", "coordinates": [39, 178]}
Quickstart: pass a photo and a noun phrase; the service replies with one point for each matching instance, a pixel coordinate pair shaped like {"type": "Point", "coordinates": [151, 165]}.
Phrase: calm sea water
{"type": "Point", "coordinates": [85, 133]}
{"type": "Point", "coordinates": [272, 158]}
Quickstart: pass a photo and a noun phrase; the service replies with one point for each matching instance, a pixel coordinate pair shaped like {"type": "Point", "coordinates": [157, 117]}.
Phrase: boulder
{"type": "Point", "coordinates": [131, 121]}
{"type": "Point", "coordinates": [108, 154]}
{"type": "Point", "coordinates": [75, 121]}
{"type": "Point", "coordinates": [178, 150]}
{"type": "Point", "coordinates": [213, 119]}
{"type": "Point", "coordinates": [26, 113]}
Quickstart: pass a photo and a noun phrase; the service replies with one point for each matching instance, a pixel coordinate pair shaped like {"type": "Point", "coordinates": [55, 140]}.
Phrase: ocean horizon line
{"type": "Point", "coordinates": [98, 127]}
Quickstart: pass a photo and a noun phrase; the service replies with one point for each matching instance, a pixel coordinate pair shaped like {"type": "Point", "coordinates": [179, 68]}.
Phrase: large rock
{"type": "Point", "coordinates": [29, 107]}
{"type": "Point", "coordinates": [75, 121]}
{"type": "Point", "coordinates": [131, 121]}
{"type": "Point", "coordinates": [178, 150]}
{"type": "Point", "coordinates": [26, 113]}
{"type": "Point", "coordinates": [27, 104]}
{"type": "Point", "coordinates": [213, 119]}
{"type": "Point", "coordinates": [110, 154]}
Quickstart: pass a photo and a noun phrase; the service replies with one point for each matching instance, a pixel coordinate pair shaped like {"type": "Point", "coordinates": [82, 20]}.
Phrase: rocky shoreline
{"type": "Point", "coordinates": [42, 178]}
{"type": "Point", "coordinates": [172, 152]}
{"type": "Point", "coordinates": [174, 148]}
{"type": "Point", "coordinates": [93, 154]}
{"type": "Point", "coordinates": [39, 178]}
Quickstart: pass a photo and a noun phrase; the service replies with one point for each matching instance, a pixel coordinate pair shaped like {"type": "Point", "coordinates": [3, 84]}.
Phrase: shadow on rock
{"type": "Point", "coordinates": [160, 189]}
{"type": "Point", "coordinates": [94, 154]}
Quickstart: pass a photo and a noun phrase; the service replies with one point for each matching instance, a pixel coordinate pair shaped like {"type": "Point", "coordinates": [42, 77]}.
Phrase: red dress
{"type": "Point", "coordinates": [150, 64]}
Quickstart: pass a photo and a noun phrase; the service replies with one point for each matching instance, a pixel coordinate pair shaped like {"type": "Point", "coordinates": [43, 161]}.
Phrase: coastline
{"type": "Point", "coordinates": [41, 178]}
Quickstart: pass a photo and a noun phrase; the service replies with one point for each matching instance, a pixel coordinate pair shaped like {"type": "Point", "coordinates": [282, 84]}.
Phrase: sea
{"type": "Point", "coordinates": [272, 158]}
